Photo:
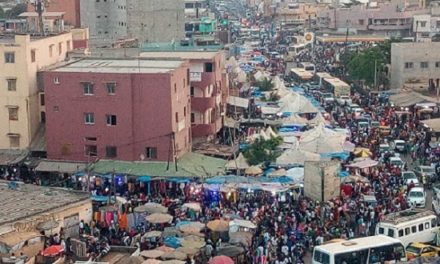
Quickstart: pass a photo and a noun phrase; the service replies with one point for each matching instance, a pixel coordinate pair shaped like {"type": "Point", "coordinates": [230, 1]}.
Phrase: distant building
{"type": "Point", "coordinates": [70, 8]}
{"type": "Point", "coordinates": [21, 106]}
{"type": "Point", "coordinates": [208, 90]}
{"type": "Point", "coordinates": [427, 26]}
{"type": "Point", "coordinates": [122, 109]}
{"type": "Point", "coordinates": [145, 20]}
{"type": "Point", "coordinates": [415, 64]}
{"type": "Point", "coordinates": [375, 18]}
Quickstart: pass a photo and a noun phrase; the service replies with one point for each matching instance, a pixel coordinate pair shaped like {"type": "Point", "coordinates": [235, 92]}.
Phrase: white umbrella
{"type": "Point", "coordinates": [193, 206]}
{"type": "Point", "coordinates": [159, 218]}
{"type": "Point", "coordinates": [296, 174]}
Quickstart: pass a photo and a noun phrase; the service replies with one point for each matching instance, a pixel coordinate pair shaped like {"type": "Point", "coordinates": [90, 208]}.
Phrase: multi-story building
{"type": "Point", "coordinates": [208, 89]}
{"type": "Point", "coordinates": [427, 26]}
{"type": "Point", "coordinates": [415, 62]}
{"type": "Point", "coordinates": [306, 12]}
{"type": "Point", "coordinates": [196, 8]}
{"type": "Point", "coordinates": [127, 109]}
{"type": "Point", "coordinates": [21, 57]}
{"type": "Point", "coordinates": [145, 20]}
{"type": "Point", "coordinates": [377, 18]}
{"type": "Point", "coordinates": [71, 10]}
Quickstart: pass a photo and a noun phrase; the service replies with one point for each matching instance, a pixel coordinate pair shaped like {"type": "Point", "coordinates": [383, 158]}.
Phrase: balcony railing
{"type": "Point", "coordinates": [201, 104]}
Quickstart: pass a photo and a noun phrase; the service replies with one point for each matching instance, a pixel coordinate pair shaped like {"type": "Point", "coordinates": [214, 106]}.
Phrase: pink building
{"type": "Point", "coordinates": [208, 89]}
{"type": "Point", "coordinates": [126, 109]}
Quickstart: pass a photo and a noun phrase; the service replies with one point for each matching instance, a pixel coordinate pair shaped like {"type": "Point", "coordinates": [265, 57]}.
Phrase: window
{"type": "Point", "coordinates": [423, 23]}
{"type": "Point", "coordinates": [437, 24]}
{"type": "Point", "coordinates": [191, 91]}
{"type": "Point", "coordinates": [60, 48]}
{"type": "Point", "coordinates": [56, 108]}
{"type": "Point", "coordinates": [433, 222]}
{"type": "Point", "coordinates": [401, 233]}
{"type": "Point", "coordinates": [381, 230]}
{"type": "Point", "coordinates": [9, 57]}
{"type": "Point", "coordinates": [427, 225]}
{"type": "Point", "coordinates": [56, 80]}
{"type": "Point", "coordinates": [184, 82]}
{"type": "Point", "coordinates": [88, 88]}
{"type": "Point", "coordinates": [111, 87]}
{"type": "Point", "coordinates": [209, 67]}
{"type": "Point", "coordinates": [151, 153]}
{"type": "Point", "coordinates": [361, 22]}
{"type": "Point", "coordinates": [414, 229]}
{"type": "Point", "coordinates": [177, 117]}
{"type": "Point", "coordinates": [321, 257]}
{"type": "Point", "coordinates": [111, 152]}
{"type": "Point", "coordinates": [13, 113]}
{"type": "Point", "coordinates": [90, 138]}
{"type": "Point", "coordinates": [175, 88]}
{"type": "Point", "coordinates": [91, 150]}
{"type": "Point", "coordinates": [51, 50]}
{"type": "Point", "coordinates": [391, 232]}
{"type": "Point", "coordinates": [111, 120]}
{"type": "Point", "coordinates": [424, 65]}
{"type": "Point", "coordinates": [184, 111]}
{"type": "Point", "coordinates": [42, 100]}
{"type": "Point", "coordinates": [437, 64]}
{"type": "Point", "coordinates": [89, 118]}
{"type": "Point", "coordinates": [193, 117]}
{"type": "Point", "coordinates": [14, 140]}
{"type": "Point", "coordinates": [68, 45]}
{"type": "Point", "coordinates": [12, 84]}
{"type": "Point", "coordinates": [409, 65]}
{"type": "Point", "coordinates": [188, 74]}
{"type": "Point", "coordinates": [33, 55]}
{"type": "Point", "coordinates": [407, 231]}
{"type": "Point", "coordinates": [420, 227]}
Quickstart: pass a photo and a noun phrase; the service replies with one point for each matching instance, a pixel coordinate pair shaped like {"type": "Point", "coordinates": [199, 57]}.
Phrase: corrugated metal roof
{"type": "Point", "coordinates": [60, 166]}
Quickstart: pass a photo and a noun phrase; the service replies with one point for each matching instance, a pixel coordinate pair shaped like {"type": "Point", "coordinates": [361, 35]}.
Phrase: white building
{"type": "Point", "coordinates": [427, 26]}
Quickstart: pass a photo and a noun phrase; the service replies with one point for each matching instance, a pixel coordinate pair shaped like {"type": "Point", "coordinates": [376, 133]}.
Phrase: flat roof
{"type": "Point", "coordinates": [45, 14]}
{"type": "Point", "coordinates": [357, 243]}
{"type": "Point", "coordinates": [29, 200]}
{"type": "Point", "coordinates": [187, 55]}
{"type": "Point", "coordinates": [121, 66]}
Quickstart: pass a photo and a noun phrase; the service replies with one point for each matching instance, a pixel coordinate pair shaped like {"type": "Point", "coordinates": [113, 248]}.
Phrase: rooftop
{"type": "Point", "coordinates": [121, 66]}
{"type": "Point", "coordinates": [30, 200]}
{"type": "Point", "coordinates": [148, 47]}
{"type": "Point", "coordinates": [9, 38]}
{"type": "Point", "coordinates": [187, 55]}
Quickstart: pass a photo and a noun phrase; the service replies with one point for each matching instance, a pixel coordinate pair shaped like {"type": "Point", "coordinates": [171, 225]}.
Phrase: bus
{"type": "Point", "coordinates": [364, 250]}
{"type": "Point", "coordinates": [294, 50]}
{"type": "Point", "coordinates": [320, 76]}
{"type": "Point", "coordinates": [300, 75]}
{"type": "Point", "coordinates": [414, 225]}
{"type": "Point", "coordinates": [308, 66]}
{"type": "Point", "coordinates": [336, 86]}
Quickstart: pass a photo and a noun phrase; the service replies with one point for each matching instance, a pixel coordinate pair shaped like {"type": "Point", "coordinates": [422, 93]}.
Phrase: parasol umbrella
{"type": "Point", "coordinates": [192, 227]}
{"type": "Point", "coordinates": [241, 238]}
{"type": "Point", "coordinates": [152, 234]}
{"type": "Point", "coordinates": [53, 251]}
{"type": "Point", "coordinates": [140, 209]}
{"type": "Point", "coordinates": [165, 249]}
{"type": "Point", "coordinates": [280, 172]}
{"type": "Point", "coordinates": [173, 261]}
{"type": "Point", "coordinates": [218, 225]}
{"type": "Point", "coordinates": [152, 261]}
{"type": "Point", "coordinates": [253, 170]}
{"type": "Point", "coordinates": [174, 255]}
{"type": "Point", "coordinates": [362, 152]}
{"type": "Point", "coordinates": [158, 218]}
{"type": "Point", "coordinates": [154, 253]}
{"type": "Point", "coordinates": [221, 260]}
{"type": "Point", "coordinates": [155, 208]}
{"type": "Point", "coordinates": [133, 260]}
{"type": "Point", "coordinates": [171, 231]}
{"type": "Point", "coordinates": [48, 225]}
{"type": "Point", "coordinates": [193, 243]}
{"type": "Point", "coordinates": [355, 178]}
{"type": "Point", "coordinates": [243, 223]}
{"type": "Point", "coordinates": [193, 206]}
{"type": "Point", "coordinates": [189, 251]}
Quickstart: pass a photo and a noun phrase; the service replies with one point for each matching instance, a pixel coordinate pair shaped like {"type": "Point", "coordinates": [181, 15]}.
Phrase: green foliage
{"type": "Point", "coordinates": [363, 65]}
{"type": "Point", "coordinates": [265, 84]}
{"type": "Point", "coordinates": [263, 151]}
{"type": "Point", "coordinates": [16, 11]}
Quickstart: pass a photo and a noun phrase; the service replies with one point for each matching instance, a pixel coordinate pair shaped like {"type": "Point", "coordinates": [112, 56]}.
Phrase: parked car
{"type": "Point", "coordinates": [427, 171]}
{"type": "Point", "coordinates": [417, 197]}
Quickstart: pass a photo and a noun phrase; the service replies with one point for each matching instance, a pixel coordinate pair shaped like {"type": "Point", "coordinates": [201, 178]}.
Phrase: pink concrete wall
{"type": "Point", "coordinates": [142, 104]}
{"type": "Point", "coordinates": [71, 8]}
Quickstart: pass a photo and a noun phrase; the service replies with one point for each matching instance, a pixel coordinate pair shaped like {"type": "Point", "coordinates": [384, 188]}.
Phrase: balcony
{"type": "Point", "coordinates": [204, 130]}
{"type": "Point", "coordinates": [201, 104]}
{"type": "Point", "coordinates": [203, 80]}
{"type": "Point", "coordinates": [389, 27]}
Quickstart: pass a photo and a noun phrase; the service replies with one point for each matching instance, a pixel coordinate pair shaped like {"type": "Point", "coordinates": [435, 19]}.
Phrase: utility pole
{"type": "Point", "coordinates": [375, 74]}
{"type": "Point", "coordinates": [39, 8]}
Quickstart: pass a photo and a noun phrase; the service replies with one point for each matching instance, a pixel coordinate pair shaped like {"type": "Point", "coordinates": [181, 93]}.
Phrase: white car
{"type": "Point", "coordinates": [344, 99]}
{"type": "Point", "coordinates": [399, 145]}
{"type": "Point", "coordinates": [417, 197]}
{"type": "Point", "coordinates": [410, 176]}
{"type": "Point", "coordinates": [397, 161]}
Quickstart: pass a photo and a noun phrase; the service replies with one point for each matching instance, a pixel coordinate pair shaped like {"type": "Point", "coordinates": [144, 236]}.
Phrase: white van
{"type": "Point", "coordinates": [408, 226]}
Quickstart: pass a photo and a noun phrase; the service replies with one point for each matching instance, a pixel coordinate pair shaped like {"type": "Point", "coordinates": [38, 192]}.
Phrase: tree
{"type": "Point", "coordinates": [363, 65]}
{"type": "Point", "coordinates": [2, 12]}
{"type": "Point", "coordinates": [265, 84]}
{"type": "Point", "coordinates": [16, 11]}
{"type": "Point", "coordinates": [263, 151]}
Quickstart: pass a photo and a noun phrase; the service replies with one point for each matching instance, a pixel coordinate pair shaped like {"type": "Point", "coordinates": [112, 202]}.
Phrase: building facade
{"type": "Point", "coordinates": [21, 57]}
{"type": "Point", "coordinates": [208, 90]}
{"type": "Point", "coordinates": [415, 64]}
{"type": "Point", "coordinates": [427, 26]}
{"type": "Point", "coordinates": [380, 18]}
{"type": "Point", "coordinates": [71, 10]}
{"type": "Point", "coordinates": [127, 109]}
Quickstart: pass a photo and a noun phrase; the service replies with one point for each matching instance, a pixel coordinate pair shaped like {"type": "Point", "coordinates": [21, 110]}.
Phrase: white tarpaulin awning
{"type": "Point", "coordinates": [239, 163]}
{"type": "Point", "coordinates": [238, 101]}
{"type": "Point", "coordinates": [269, 110]}
{"type": "Point", "coordinates": [367, 163]}
{"type": "Point", "coordinates": [295, 156]}
{"type": "Point", "coordinates": [433, 124]}
{"type": "Point", "coordinates": [296, 175]}
{"type": "Point", "coordinates": [60, 166]}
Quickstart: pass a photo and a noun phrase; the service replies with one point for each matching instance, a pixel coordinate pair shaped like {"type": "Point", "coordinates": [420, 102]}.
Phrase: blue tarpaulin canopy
{"type": "Point", "coordinates": [173, 242]}
{"type": "Point", "coordinates": [101, 198]}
